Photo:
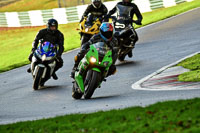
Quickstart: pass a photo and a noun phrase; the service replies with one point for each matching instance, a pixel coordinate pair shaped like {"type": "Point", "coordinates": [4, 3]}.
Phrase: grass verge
{"type": "Point", "coordinates": [192, 63]}
{"type": "Point", "coordinates": [181, 116]}
{"type": "Point", "coordinates": [27, 5]}
{"type": "Point", "coordinates": [16, 43]}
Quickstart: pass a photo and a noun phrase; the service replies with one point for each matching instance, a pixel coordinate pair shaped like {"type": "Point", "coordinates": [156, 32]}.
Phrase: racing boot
{"type": "Point", "coordinates": [29, 70]}
{"type": "Point", "coordinates": [74, 69]}
{"type": "Point", "coordinates": [130, 54]}
{"type": "Point", "coordinates": [73, 72]}
{"type": "Point", "coordinates": [55, 77]}
{"type": "Point", "coordinates": [112, 70]}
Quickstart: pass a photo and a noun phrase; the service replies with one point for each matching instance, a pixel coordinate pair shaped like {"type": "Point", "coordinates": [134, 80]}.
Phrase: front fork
{"type": "Point", "coordinates": [35, 67]}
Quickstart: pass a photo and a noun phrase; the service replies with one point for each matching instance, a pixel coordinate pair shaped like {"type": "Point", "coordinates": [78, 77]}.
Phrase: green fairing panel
{"type": "Point", "coordinates": [79, 77]}
{"type": "Point", "coordinates": [79, 80]}
{"type": "Point", "coordinates": [93, 52]}
{"type": "Point", "coordinates": [96, 69]}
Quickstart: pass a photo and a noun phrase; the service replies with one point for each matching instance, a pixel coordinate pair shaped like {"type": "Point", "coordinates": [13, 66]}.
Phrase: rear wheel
{"type": "Point", "coordinates": [37, 79]}
{"type": "Point", "coordinates": [92, 84]}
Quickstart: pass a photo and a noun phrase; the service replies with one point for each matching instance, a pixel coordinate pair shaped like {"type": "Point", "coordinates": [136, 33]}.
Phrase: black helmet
{"type": "Point", "coordinates": [96, 3]}
{"type": "Point", "coordinates": [52, 22]}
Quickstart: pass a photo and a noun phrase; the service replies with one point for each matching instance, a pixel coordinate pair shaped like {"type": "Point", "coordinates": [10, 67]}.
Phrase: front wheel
{"type": "Point", "coordinates": [37, 79]}
{"type": "Point", "coordinates": [92, 84]}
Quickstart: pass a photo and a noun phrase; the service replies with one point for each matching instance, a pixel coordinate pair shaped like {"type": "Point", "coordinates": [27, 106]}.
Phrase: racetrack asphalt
{"type": "Point", "coordinates": [160, 44]}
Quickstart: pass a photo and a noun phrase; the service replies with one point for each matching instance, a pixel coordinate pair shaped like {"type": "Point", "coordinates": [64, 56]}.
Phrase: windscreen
{"type": "Point", "coordinates": [102, 48]}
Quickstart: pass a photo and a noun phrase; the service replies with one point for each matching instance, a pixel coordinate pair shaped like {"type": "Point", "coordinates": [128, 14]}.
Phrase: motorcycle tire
{"type": "Point", "coordinates": [92, 85]}
{"type": "Point", "coordinates": [37, 79]}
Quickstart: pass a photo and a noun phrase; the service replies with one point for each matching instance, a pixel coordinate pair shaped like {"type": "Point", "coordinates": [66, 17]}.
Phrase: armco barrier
{"type": "Point", "coordinates": [72, 14]}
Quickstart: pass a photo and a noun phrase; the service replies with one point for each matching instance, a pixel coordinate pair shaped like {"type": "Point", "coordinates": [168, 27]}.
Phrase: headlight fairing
{"type": "Point", "coordinates": [93, 60]}
{"type": "Point", "coordinates": [44, 57]}
{"type": "Point", "coordinates": [87, 29]}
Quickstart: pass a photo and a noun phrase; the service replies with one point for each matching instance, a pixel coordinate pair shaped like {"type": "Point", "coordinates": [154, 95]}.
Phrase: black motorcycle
{"type": "Point", "coordinates": [125, 33]}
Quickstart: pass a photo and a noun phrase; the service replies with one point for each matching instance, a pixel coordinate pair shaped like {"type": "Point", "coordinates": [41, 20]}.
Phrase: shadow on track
{"type": "Point", "coordinates": [127, 63]}
{"type": "Point", "coordinates": [101, 98]}
{"type": "Point", "coordinates": [55, 87]}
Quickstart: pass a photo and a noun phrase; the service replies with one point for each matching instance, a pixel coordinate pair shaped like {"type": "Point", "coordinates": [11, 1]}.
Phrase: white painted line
{"type": "Point", "coordinates": [137, 85]}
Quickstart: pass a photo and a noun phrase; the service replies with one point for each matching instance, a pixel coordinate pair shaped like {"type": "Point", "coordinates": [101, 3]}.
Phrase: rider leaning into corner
{"type": "Point", "coordinates": [53, 35]}
{"type": "Point", "coordinates": [96, 9]}
{"type": "Point", "coordinates": [126, 10]}
{"type": "Point", "coordinates": [105, 35]}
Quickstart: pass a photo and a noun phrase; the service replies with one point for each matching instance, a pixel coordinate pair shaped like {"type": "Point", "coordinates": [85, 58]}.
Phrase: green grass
{"type": "Point", "coordinates": [26, 5]}
{"type": "Point", "coordinates": [16, 43]}
{"type": "Point", "coordinates": [181, 116]}
{"type": "Point", "coordinates": [192, 63]}
{"type": "Point", "coordinates": [163, 13]}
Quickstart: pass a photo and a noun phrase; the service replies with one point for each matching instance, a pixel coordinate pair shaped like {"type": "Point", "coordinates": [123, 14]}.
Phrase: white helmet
{"type": "Point", "coordinates": [96, 3]}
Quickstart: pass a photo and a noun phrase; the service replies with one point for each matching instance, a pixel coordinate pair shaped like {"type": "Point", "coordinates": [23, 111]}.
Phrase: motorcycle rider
{"type": "Point", "coordinates": [105, 35]}
{"type": "Point", "coordinates": [126, 10]}
{"type": "Point", "coordinates": [54, 36]}
{"type": "Point", "coordinates": [96, 9]}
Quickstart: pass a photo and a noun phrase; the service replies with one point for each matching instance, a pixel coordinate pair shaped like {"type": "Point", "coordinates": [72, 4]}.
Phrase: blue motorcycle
{"type": "Point", "coordinates": [43, 63]}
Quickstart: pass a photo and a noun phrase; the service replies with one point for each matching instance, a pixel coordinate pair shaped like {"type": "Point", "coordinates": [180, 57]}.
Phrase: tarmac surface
{"type": "Point", "coordinates": [160, 44]}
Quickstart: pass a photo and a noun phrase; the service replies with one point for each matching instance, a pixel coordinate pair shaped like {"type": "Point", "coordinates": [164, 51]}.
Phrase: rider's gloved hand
{"type": "Point", "coordinates": [31, 55]}
{"type": "Point", "coordinates": [81, 19]}
{"type": "Point", "coordinates": [106, 18]}
{"type": "Point", "coordinates": [129, 21]}
{"type": "Point", "coordinates": [100, 19]}
{"type": "Point", "coordinates": [138, 22]}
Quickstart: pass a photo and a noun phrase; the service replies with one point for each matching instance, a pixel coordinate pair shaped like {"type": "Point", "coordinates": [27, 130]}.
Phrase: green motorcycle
{"type": "Point", "coordinates": [92, 70]}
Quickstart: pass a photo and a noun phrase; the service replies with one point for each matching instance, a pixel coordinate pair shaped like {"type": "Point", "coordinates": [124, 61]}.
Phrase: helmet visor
{"type": "Point", "coordinates": [97, 3]}
{"type": "Point", "coordinates": [107, 34]}
{"type": "Point", "coordinates": [53, 27]}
